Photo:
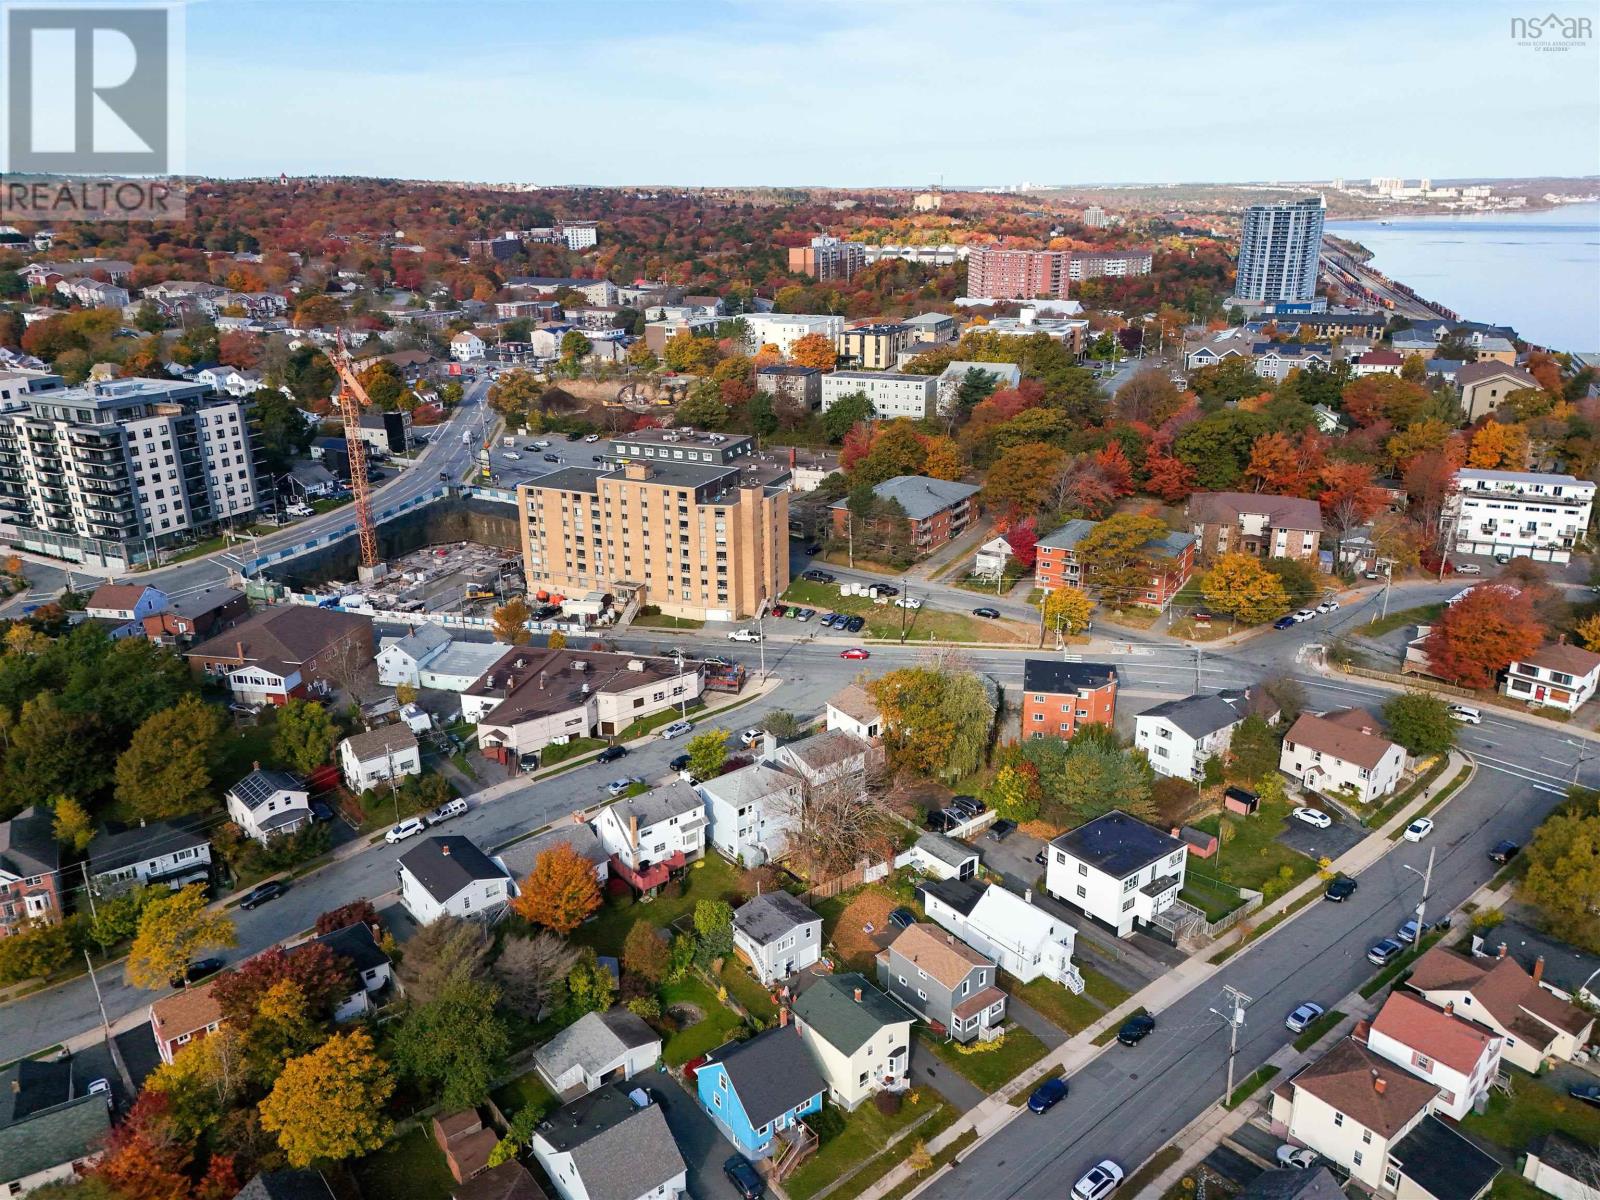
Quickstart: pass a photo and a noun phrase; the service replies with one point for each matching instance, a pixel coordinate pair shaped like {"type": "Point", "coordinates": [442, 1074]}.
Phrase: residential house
{"type": "Point", "coordinates": [991, 558]}
{"type": "Point", "coordinates": [388, 752]}
{"type": "Point", "coordinates": [612, 1144]}
{"type": "Point", "coordinates": [509, 1181]}
{"type": "Point", "coordinates": [944, 981]}
{"type": "Point", "coordinates": [858, 1037]}
{"type": "Point", "coordinates": [1327, 420]}
{"type": "Point", "coordinates": [1561, 969]}
{"type": "Point", "coordinates": [1562, 1166]}
{"type": "Point", "coordinates": [196, 615]}
{"type": "Point", "coordinates": [269, 804]}
{"type": "Point", "coordinates": [1496, 992]}
{"type": "Point", "coordinates": [836, 758]}
{"type": "Point", "coordinates": [286, 1185]}
{"type": "Point", "coordinates": [1435, 1161]}
{"type": "Point", "coordinates": [1483, 385]}
{"type": "Point", "coordinates": [1407, 342]}
{"type": "Point", "coordinates": [466, 346]}
{"type": "Point", "coordinates": [1377, 362]}
{"type": "Point", "coordinates": [750, 812]}
{"type": "Point", "coordinates": [1460, 1057]}
{"type": "Point", "coordinates": [1255, 523]}
{"type": "Point", "coordinates": [450, 875]}
{"type": "Point", "coordinates": [1057, 697]}
{"type": "Point", "coordinates": [30, 861]}
{"type": "Point", "coordinates": [1274, 360]}
{"type": "Point", "coordinates": [941, 857]}
{"type": "Point", "coordinates": [1342, 754]}
{"type": "Point", "coordinates": [1219, 346]}
{"type": "Point", "coordinates": [124, 606]}
{"type": "Point", "coordinates": [183, 1017]}
{"type": "Point", "coordinates": [1169, 557]}
{"type": "Point", "coordinates": [465, 1142]}
{"type": "Point", "coordinates": [162, 852]}
{"type": "Point", "coordinates": [1118, 870]}
{"type": "Point", "coordinates": [797, 384]}
{"type": "Point", "coordinates": [369, 966]}
{"type": "Point", "coordinates": [284, 652]}
{"type": "Point", "coordinates": [937, 510]}
{"type": "Point", "coordinates": [758, 1091]}
{"type": "Point", "coordinates": [51, 1125]}
{"type": "Point", "coordinates": [778, 935]}
{"type": "Point", "coordinates": [597, 1049]}
{"type": "Point", "coordinates": [1180, 736]}
{"type": "Point", "coordinates": [521, 857]}
{"type": "Point", "coordinates": [1022, 938]}
{"type": "Point", "coordinates": [1522, 514]}
{"type": "Point", "coordinates": [853, 710]}
{"type": "Point", "coordinates": [428, 657]}
{"type": "Point", "coordinates": [1556, 675]}
{"type": "Point", "coordinates": [400, 661]}
{"type": "Point", "coordinates": [651, 836]}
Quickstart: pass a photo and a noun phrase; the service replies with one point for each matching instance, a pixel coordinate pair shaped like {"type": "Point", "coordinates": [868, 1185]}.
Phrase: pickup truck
{"type": "Point", "coordinates": [744, 635]}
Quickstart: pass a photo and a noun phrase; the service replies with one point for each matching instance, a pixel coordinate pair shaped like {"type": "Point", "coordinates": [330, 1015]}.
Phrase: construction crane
{"type": "Point", "coordinates": [352, 399]}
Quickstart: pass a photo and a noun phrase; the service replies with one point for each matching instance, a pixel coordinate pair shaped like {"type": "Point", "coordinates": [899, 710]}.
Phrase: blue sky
{"type": "Point", "coordinates": [896, 92]}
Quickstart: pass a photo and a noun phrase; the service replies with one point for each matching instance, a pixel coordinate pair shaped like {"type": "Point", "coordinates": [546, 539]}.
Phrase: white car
{"type": "Point", "coordinates": [1304, 614]}
{"type": "Point", "coordinates": [512, 455]}
{"type": "Point", "coordinates": [1100, 1180]}
{"type": "Point", "coordinates": [676, 729]}
{"type": "Point", "coordinates": [1418, 829]}
{"type": "Point", "coordinates": [1302, 1157]}
{"type": "Point", "coordinates": [617, 786]}
{"type": "Point", "coordinates": [1466, 714]}
{"type": "Point", "coordinates": [1314, 817]}
{"type": "Point", "coordinates": [1302, 1017]}
{"type": "Point", "coordinates": [540, 446]}
{"type": "Point", "coordinates": [1328, 606]}
{"type": "Point", "coordinates": [410, 827]}
{"type": "Point", "coordinates": [907, 602]}
{"type": "Point", "coordinates": [750, 736]}
{"type": "Point", "coordinates": [593, 437]}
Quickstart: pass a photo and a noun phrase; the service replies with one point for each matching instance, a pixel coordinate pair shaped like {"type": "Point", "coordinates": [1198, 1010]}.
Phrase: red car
{"type": "Point", "coordinates": [854, 652]}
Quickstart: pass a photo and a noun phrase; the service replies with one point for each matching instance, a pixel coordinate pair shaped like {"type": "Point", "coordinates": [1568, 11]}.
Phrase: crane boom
{"type": "Point", "coordinates": [352, 399]}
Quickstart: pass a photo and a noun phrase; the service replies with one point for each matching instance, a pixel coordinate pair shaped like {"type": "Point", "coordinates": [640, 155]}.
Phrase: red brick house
{"type": "Point", "coordinates": [1058, 697]}
{"type": "Point", "coordinates": [29, 860]}
{"type": "Point", "coordinates": [197, 616]}
{"type": "Point", "coordinates": [937, 510]}
{"type": "Point", "coordinates": [282, 652]}
{"type": "Point", "coordinates": [1171, 560]}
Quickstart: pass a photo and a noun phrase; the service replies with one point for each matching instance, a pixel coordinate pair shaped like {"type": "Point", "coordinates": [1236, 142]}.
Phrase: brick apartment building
{"type": "Point", "coordinates": [1018, 274]}
{"type": "Point", "coordinates": [828, 258]}
{"type": "Point", "coordinates": [936, 509]}
{"type": "Point", "coordinates": [1171, 559]}
{"type": "Point", "coordinates": [1259, 524]}
{"type": "Point", "coordinates": [1058, 697]}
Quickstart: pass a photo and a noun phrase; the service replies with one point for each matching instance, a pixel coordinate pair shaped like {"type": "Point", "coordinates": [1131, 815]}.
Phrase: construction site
{"type": "Point", "coordinates": [459, 577]}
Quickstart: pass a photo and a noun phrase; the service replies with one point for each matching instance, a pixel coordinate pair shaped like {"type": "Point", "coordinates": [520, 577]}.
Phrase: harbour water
{"type": "Point", "coordinates": [1538, 272]}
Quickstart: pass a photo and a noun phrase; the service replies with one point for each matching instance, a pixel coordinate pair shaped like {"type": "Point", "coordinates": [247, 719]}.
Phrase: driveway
{"type": "Point", "coordinates": [1012, 859]}
{"type": "Point", "coordinates": [1321, 843]}
{"type": "Point", "coordinates": [704, 1150]}
{"type": "Point", "coordinates": [928, 1071]}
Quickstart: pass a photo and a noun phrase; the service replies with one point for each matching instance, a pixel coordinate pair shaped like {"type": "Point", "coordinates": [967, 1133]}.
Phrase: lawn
{"type": "Point", "coordinates": [1072, 1014]}
{"type": "Point", "coordinates": [410, 1166]}
{"type": "Point", "coordinates": [1425, 614]}
{"type": "Point", "coordinates": [657, 620]}
{"type": "Point", "coordinates": [1214, 898]}
{"type": "Point", "coordinates": [1389, 973]}
{"type": "Point", "coordinates": [920, 625]}
{"type": "Point", "coordinates": [243, 746]}
{"type": "Point", "coordinates": [1251, 1085]}
{"type": "Point", "coordinates": [654, 721]}
{"type": "Point", "coordinates": [1533, 1108]}
{"type": "Point", "coordinates": [865, 1135]}
{"type": "Point", "coordinates": [717, 1025]}
{"type": "Point", "coordinates": [747, 990]}
{"type": "Point", "coordinates": [1251, 855]}
{"type": "Point", "coordinates": [1315, 1031]}
{"type": "Point", "coordinates": [523, 1092]}
{"type": "Point", "coordinates": [989, 1069]}
{"type": "Point", "coordinates": [711, 878]}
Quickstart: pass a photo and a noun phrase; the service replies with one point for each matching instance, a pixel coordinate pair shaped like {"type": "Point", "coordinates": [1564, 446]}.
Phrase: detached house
{"type": "Point", "coordinates": [597, 1049]}
{"type": "Point", "coordinates": [1484, 385]}
{"type": "Point", "coordinates": [29, 859]}
{"type": "Point", "coordinates": [162, 852]}
{"type": "Point", "coordinates": [859, 1038]}
{"type": "Point", "coordinates": [284, 652]}
{"type": "Point", "coordinates": [613, 1144]}
{"type": "Point", "coordinates": [123, 607]}
{"type": "Point", "coordinates": [1118, 870]}
{"type": "Point", "coordinates": [778, 935]}
{"type": "Point", "coordinates": [854, 711]}
{"type": "Point", "coordinates": [196, 615]}
{"type": "Point", "coordinates": [1181, 736]}
{"type": "Point", "coordinates": [370, 968]}
{"type": "Point", "coordinates": [388, 752]}
{"type": "Point", "coordinates": [758, 1090]}
{"type": "Point", "coordinates": [268, 804]}
{"type": "Point", "coordinates": [750, 812]}
{"type": "Point", "coordinates": [1556, 675]}
{"type": "Point", "coordinates": [1342, 754]}
{"type": "Point", "coordinates": [51, 1125]}
{"type": "Point", "coordinates": [1023, 939]}
{"type": "Point", "coordinates": [184, 1017]}
{"type": "Point", "coordinates": [450, 875]}
{"type": "Point", "coordinates": [651, 836]}
{"type": "Point", "coordinates": [944, 981]}
{"type": "Point", "coordinates": [835, 758]}
{"type": "Point", "coordinates": [1459, 1057]}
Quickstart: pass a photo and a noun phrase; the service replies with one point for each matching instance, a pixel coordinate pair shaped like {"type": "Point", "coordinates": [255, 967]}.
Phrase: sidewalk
{"type": "Point", "coordinates": [997, 1110]}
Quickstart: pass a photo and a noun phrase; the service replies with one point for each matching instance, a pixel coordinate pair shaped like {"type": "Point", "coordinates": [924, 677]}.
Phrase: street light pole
{"type": "Point", "coordinates": [1427, 883]}
{"type": "Point", "coordinates": [1236, 1002]}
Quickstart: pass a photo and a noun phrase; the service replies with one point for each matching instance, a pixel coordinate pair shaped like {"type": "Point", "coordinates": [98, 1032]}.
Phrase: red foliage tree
{"type": "Point", "coordinates": [360, 911]}
{"type": "Point", "coordinates": [1115, 468]}
{"type": "Point", "coordinates": [146, 1157]}
{"type": "Point", "coordinates": [221, 1180]}
{"type": "Point", "coordinates": [857, 445]}
{"type": "Point", "coordinates": [1348, 495]}
{"type": "Point", "coordinates": [1169, 478]}
{"type": "Point", "coordinates": [1481, 634]}
{"type": "Point", "coordinates": [323, 976]}
{"type": "Point", "coordinates": [1023, 539]}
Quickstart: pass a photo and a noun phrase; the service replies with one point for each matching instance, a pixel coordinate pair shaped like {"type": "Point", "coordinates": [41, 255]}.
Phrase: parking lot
{"type": "Point", "coordinates": [1322, 843]}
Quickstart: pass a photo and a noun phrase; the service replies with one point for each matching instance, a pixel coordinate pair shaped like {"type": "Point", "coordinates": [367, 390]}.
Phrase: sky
{"type": "Point", "coordinates": [891, 92]}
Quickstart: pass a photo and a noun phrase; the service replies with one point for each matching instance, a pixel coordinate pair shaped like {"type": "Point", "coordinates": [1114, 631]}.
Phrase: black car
{"type": "Point", "coordinates": [552, 458]}
{"type": "Point", "coordinates": [970, 805]}
{"type": "Point", "coordinates": [746, 1179]}
{"type": "Point", "coordinates": [943, 820]}
{"type": "Point", "coordinates": [611, 754]}
{"type": "Point", "coordinates": [902, 918]}
{"type": "Point", "coordinates": [1340, 889]}
{"type": "Point", "coordinates": [1135, 1029]}
{"type": "Point", "coordinates": [1504, 852]}
{"type": "Point", "coordinates": [813, 550]}
{"type": "Point", "coordinates": [818, 577]}
{"type": "Point", "coordinates": [992, 613]}
{"type": "Point", "coordinates": [1001, 830]}
{"type": "Point", "coordinates": [320, 811]}
{"type": "Point", "coordinates": [1047, 1095]}
{"type": "Point", "coordinates": [679, 763]}
{"type": "Point", "coordinates": [855, 624]}
{"type": "Point", "coordinates": [885, 589]}
{"type": "Point", "coordinates": [196, 971]}
{"type": "Point", "coordinates": [1589, 1093]}
{"type": "Point", "coordinates": [263, 892]}
{"type": "Point", "coordinates": [1042, 858]}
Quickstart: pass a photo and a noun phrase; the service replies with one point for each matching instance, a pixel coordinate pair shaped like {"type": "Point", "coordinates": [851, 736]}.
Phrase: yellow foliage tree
{"type": "Point", "coordinates": [328, 1105]}
{"type": "Point", "coordinates": [1589, 632]}
{"type": "Point", "coordinates": [1240, 585]}
{"type": "Point", "coordinates": [511, 622]}
{"type": "Point", "coordinates": [557, 640]}
{"type": "Point", "coordinates": [74, 826]}
{"type": "Point", "coordinates": [173, 931]}
{"type": "Point", "coordinates": [944, 459]}
{"type": "Point", "coordinates": [1498, 447]}
{"type": "Point", "coordinates": [814, 350]}
{"type": "Point", "coordinates": [1067, 609]}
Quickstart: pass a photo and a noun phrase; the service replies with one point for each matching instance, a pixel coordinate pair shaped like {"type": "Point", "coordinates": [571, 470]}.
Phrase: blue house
{"type": "Point", "coordinates": [757, 1091]}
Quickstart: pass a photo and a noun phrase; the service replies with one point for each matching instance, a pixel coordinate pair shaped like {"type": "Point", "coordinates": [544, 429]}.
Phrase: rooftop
{"type": "Point", "coordinates": [1442, 1036]}
{"type": "Point", "coordinates": [292, 634]}
{"type": "Point", "coordinates": [533, 681]}
{"type": "Point", "coordinates": [1506, 991]}
{"type": "Point", "coordinates": [771, 1072]}
{"type": "Point", "coordinates": [854, 702]}
{"type": "Point", "coordinates": [594, 1042]}
{"type": "Point", "coordinates": [1369, 1089]}
{"type": "Point", "coordinates": [1565, 966]}
{"type": "Point", "coordinates": [1563, 657]}
{"type": "Point", "coordinates": [445, 865]}
{"type": "Point", "coordinates": [770, 915]}
{"type": "Point", "coordinates": [260, 786]}
{"type": "Point", "coordinates": [1046, 675]}
{"type": "Point", "coordinates": [185, 1011]}
{"type": "Point", "coordinates": [1443, 1163]}
{"type": "Point", "coordinates": [1117, 844]}
{"type": "Point", "coordinates": [674, 799]}
{"type": "Point", "coordinates": [382, 741]}
{"type": "Point", "coordinates": [960, 894]}
{"type": "Point", "coordinates": [286, 1185]}
{"type": "Point", "coordinates": [1343, 735]}
{"type": "Point", "coordinates": [1287, 512]}
{"type": "Point", "coordinates": [621, 1150]}
{"type": "Point", "coordinates": [938, 953]}
{"type": "Point", "coordinates": [846, 1011]}
{"type": "Point", "coordinates": [1198, 716]}
{"type": "Point", "coordinates": [28, 843]}
{"type": "Point", "coordinates": [113, 850]}
{"type": "Point", "coordinates": [946, 849]}
{"type": "Point", "coordinates": [920, 496]}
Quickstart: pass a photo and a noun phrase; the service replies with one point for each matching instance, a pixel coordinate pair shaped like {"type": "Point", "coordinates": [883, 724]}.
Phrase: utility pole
{"type": "Point", "coordinates": [1427, 883]}
{"type": "Point", "coordinates": [105, 1022]}
{"type": "Point", "coordinates": [1199, 652]}
{"type": "Point", "coordinates": [1236, 1002]}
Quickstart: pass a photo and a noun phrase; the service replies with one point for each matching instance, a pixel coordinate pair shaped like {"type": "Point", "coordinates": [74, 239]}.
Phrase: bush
{"type": "Point", "coordinates": [646, 1008]}
{"type": "Point", "coordinates": [888, 1102]}
{"type": "Point", "coordinates": [246, 856]}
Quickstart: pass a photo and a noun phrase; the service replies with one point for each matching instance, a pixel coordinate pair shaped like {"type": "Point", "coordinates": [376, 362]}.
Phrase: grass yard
{"type": "Point", "coordinates": [989, 1069]}
{"type": "Point", "coordinates": [1071, 1014]}
{"type": "Point", "coordinates": [1425, 614]}
{"type": "Point", "coordinates": [921, 625]}
{"type": "Point", "coordinates": [1533, 1108]}
{"type": "Point", "coordinates": [747, 990]}
{"type": "Point", "coordinates": [1251, 855]}
{"type": "Point", "coordinates": [845, 918]}
{"type": "Point", "coordinates": [1101, 988]}
{"type": "Point", "coordinates": [718, 1022]}
{"type": "Point", "coordinates": [1315, 1031]}
{"type": "Point", "coordinates": [553, 754]}
{"type": "Point", "coordinates": [1250, 1086]}
{"type": "Point", "coordinates": [657, 620]}
{"type": "Point", "coordinates": [865, 1135]}
{"type": "Point", "coordinates": [243, 746]}
{"type": "Point", "coordinates": [711, 878]}
{"type": "Point", "coordinates": [523, 1092]}
{"type": "Point", "coordinates": [1214, 898]}
{"type": "Point", "coordinates": [410, 1166]}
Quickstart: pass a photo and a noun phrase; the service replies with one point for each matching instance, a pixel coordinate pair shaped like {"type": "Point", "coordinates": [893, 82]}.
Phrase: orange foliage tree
{"type": "Point", "coordinates": [1481, 634]}
{"type": "Point", "coordinates": [814, 350]}
{"type": "Point", "coordinates": [1283, 465]}
{"type": "Point", "coordinates": [1498, 447]}
{"type": "Point", "coordinates": [560, 891]}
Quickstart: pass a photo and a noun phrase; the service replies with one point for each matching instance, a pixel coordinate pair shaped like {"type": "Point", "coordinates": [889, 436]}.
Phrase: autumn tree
{"type": "Point", "coordinates": [1284, 466]}
{"type": "Point", "coordinates": [1237, 583]}
{"type": "Point", "coordinates": [356, 912]}
{"type": "Point", "coordinates": [644, 952]}
{"type": "Point", "coordinates": [1481, 634]}
{"type": "Point", "coordinates": [147, 1156]}
{"type": "Point", "coordinates": [329, 1104]}
{"type": "Point", "coordinates": [590, 987]}
{"type": "Point", "coordinates": [74, 827]}
{"type": "Point", "coordinates": [455, 1044]}
{"type": "Point", "coordinates": [814, 350]}
{"type": "Point", "coordinates": [1421, 722]}
{"type": "Point", "coordinates": [713, 926]}
{"type": "Point", "coordinates": [1099, 777]}
{"type": "Point", "coordinates": [1348, 496]}
{"type": "Point", "coordinates": [939, 721]}
{"type": "Point", "coordinates": [1023, 540]}
{"type": "Point", "coordinates": [1066, 609]}
{"type": "Point", "coordinates": [1563, 871]}
{"type": "Point", "coordinates": [304, 736]}
{"type": "Point", "coordinates": [166, 769]}
{"type": "Point", "coordinates": [557, 640]}
{"type": "Point", "coordinates": [443, 952]}
{"type": "Point", "coordinates": [1384, 397]}
{"type": "Point", "coordinates": [560, 892]}
{"type": "Point", "coordinates": [1023, 478]}
{"type": "Point", "coordinates": [1497, 447]}
{"type": "Point", "coordinates": [511, 622]}
{"type": "Point", "coordinates": [1114, 559]}
{"type": "Point", "coordinates": [322, 977]}
{"type": "Point", "coordinates": [835, 825]}
{"type": "Point", "coordinates": [1420, 437]}
{"type": "Point", "coordinates": [173, 931]}
{"type": "Point", "coordinates": [1588, 631]}
{"type": "Point", "coordinates": [515, 392]}
{"type": "Point", "coordinates": [691, 355]}
{"type": "Point", "coordinates": [532, 973]}
{"type": "Point", "coordinates": [1149, 397]}
{"type": "Point", "coordinates": [1169, 478]}
{"type": "Point", "coordinates": [1015, 793]}
{"type": "Point", "coordinates": [203, 1080]}
{"type": "Point", "coordinates": [707, 751]}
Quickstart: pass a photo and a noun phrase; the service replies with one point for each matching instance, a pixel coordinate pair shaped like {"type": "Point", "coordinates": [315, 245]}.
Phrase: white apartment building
{"type": "Point", "coordinates": [1279, 245]}
{"type": "Point", "coordinates": [783, 330]}
{"type": "Point", "coordinates": [892, 394]}
{"type": "Point", "coordinates": [1179, 736]}
{"type": "Point", "coordinates": [948, 387]}
{"type": "Point", "coordinates": [1518, 513]}
{"type": "Point", "coordinates": [466, 346]}
{"type": "Point", "coordinates": [579, 235]}
{"type": "Point", "coordinates": [1459, 1057]}
{"type": "Point", "coordinates": [1342, 754]}
{"type": "Point", "coordinates": [1117, 869]}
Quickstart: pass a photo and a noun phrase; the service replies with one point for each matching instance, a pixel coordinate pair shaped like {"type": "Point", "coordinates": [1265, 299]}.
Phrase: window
{"type": "Point", "coordinates": [1366, 1137]}
{"type": "Point", "coordinates": [1083, 868]}
{"type": "Point", "coordinates": [1127, 904]}
{"type": "Point", "coordinates": [1338, 1119]}
{"type": "Point", "coordinates": [1083, 892]}
{"type": "Point", "coordinates": [1357, 1158]}
{"type": "Point", "coordinates": [1422, 1061]}
{"type": "Point", "coordinates": [921, 995]}
{"type": "Point", "coordinates": [1391, 1177]}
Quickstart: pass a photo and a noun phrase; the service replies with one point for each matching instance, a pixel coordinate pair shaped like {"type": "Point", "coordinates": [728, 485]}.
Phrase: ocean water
{"type": "Point", "coordinates": [1538, 272]}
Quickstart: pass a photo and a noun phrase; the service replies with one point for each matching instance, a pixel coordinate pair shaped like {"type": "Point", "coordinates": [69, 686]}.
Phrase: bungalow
{"type": "Point", "coordinates": [778, 935]}
{"type": "Point", "coordinates": [1022, 938]}
{"type": "Point", "coordinates": [1561, 969]}
{"type": "Point", "coordinates": [385, 753]}
{"type": "Point", "coordinates": [859, 1038]}
{"type": "Point", "coordinates": [612, 1144]}
{"type": "Point", "coordinates": [51, 1126]}
{"type": "Point", "coordinates": [521, 857]}
{"type": "Point", "coordinates": [652, 835]}
{"type": "Point", "coordinates": [370, 967]}
{"type": "Point", "coordinates": [757, 1091]}
{"type": "Point", "coordinates": [268, 804]}
{"type": "Point", "coordinates": [1460, 1057]}
{"type": "Point", "coordinates": [123, 607]}
{"type": "Point", "coordinates": [30, 861]}
{"type": "Point", "coordinates": [941, 857]}
{"type": "Point", "coordinates": [597, 1049]}
{"type": "Point", "coordinates": [183, 1017]}
{"type": "Point", "coordinates": [1556, 675]}
{"type": "Point", "coordinates": [450, 875]}
{"type": "Point", "coordinates": [162, 852]}
{"type": "Point", "coordinates": [1342, 754]}
{"type": "Point", "coordinates": [854, 711]}
{"type": "Point", "coordinates": [945, 982]}
{"type": "Point", "coordinates": [1180, 736]}
{"type": "Point", "coordinates": [750, 812]}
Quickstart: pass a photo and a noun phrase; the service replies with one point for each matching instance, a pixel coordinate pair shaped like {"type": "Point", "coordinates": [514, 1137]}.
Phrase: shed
{"type": "Point", "coordinates": [1238, 800]}
{"type": "Point", "coordinates": [1201, 844]}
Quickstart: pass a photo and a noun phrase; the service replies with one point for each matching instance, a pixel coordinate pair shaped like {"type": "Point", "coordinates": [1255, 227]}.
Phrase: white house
{"type": "Point", "coordinates": [783, 330]}
{"type": "Point", "coordinates": [1117, 869]}
{"type": "Point", "coordinates": [750, 812]}
{"type": "Point", "coordinates": [466, 346]}
{"type": "Point", "coordinates": [1021, 937]}
{"type": "Point", "coordinates": [858, 1037]}
{"type": "Point", "coordinates": [992, 557]}
{"type": "Point", "coordinates": [1180, 736]}
{"type": "Point", "coordinates": [266, 804]}
{"type": "Point", "coordinates": [778, 934]}
{"type": "Point", "coordinates": [370, 968]}
{"type": "Point", "coordinates": [1460, 1057]}
{"type": "Point", "coordinates": [388, 752]}
{"type": "Point", "coordinates": [1342, 754]}
{"type": "Point", "coordinates": [854, 711]}
{"type": "Point", "coordinates": [161, 852]}
{"type": "Point", "coordinates": [612, 1144]}
{"type": "Point", "coordinates": [450, 875]}
{"type": "Point", "coordinates": [1562, 1167]}
{"type": "Point", "coordinates": [124, 606]}
{"type": "Point", "coordinates": [1556, 675]}
{"type": "Point", "coordinates": [652, 835]}
{"type": "Point", "coordinates": [940, 857]}
{"type": "Point", "coordinates": [597, 1049]}
{"type": "Point", "coordinates": [1520, 513]}
{"type": "Point", "coordinates": [401, 660]}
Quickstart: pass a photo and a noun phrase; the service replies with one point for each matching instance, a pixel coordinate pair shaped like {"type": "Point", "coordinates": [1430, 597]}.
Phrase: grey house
{"type": "Point", "coordinates": [944, 981]}
{"type": "Point", "coordinates": [778, 934]}
{"type": "Point", "coordinates": [597, 1049]}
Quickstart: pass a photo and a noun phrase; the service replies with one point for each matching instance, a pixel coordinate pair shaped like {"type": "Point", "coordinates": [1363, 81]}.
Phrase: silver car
{"type": "Point", "coordinates": [1302, 1018]}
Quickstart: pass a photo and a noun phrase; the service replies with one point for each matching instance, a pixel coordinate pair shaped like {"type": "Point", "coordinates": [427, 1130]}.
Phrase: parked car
{"type": "Point", "coordinates": [1589, 1093]}
{"type": "Point", "coordinates": [855, 624]}
{"type": "Point", "coordinates": [1042, 858]}
{"type": "Point", "coordinates": [1305, 1015]}
{"type": "Point", "coordinates": [1135, 1029]}
{"type": "Point", "coordinates": [1468, 568]}
{"type": "Point", "coordinates": [943, 820]}
{"type": "Point", "coordinates": [1100, 1180]}
{"type": "Point", "coordinates": [1503, 852]}
{"type": "Point", "coordinates": [1313, 817]}
{"type": "Point", "coordinates": [1385, 952]}
{"type": "Point", "coordinates": [679, 763]}
{"type": "Point", "coordinates": [854, 652]}
{"type": "Point", "coordinates": [829, 619]}
{"type": "Point", "coordinates": [447, 810]}
{"type": "Point", "coordinates": [902, 918]}
{"type": "Point", "coordinates": [779, 610]}
{"type": "Point", "coordinates": [1418, 829]}
{"type": "Point", "coordinates": [1303, 614]}
{"type": "Point", "coordinates": [814, 549]}
{"type": "Point", "coordinates": [555, 458]}
{"type": "Point", "coordinates": [593, 437]}
{"type": "Point", "coordinates": [1301, 1157]}
{"type": "Point", "coordinates": [676, 729]}
{"type": "Point", "coordinates": [1001, 830]}
{"type": "Point", "coordinates": [1409, 932]}
{"type": "Point", "coordinates": [539, 445]}
{"type": "Point", "coordinates": [908, 602]}
{"type": "Point", "coordinates": [1372, 575]}
{"type": "Point", "coordinates": [970, 805]}
{"type": "Point", "coordinates": [1284, 623]}
{"type": "Point", "coordinates": [196, 971]}
{"type": "Point", "coordinates": [1047, 1095]}
{"type": "Point", "coordinates": [321, 811]}
{"type": "Point", "coordinates": [1466, 714]}
{"type": "Point", "coordinates": [887, 589]}
{"type": "Point", "coordinates": [744, 635]}
{"type": "Point", "coordinates": [617, 786]}
{"type": "Point", "coordinates": [717, 660]}
{"type": "Point", "coordinates": [611, 754]}
{"type": "Point", "coordinates": [263, 892]}
{"type": "Point", "coordinates": [1340, 889]}
{"type": "Point", "coordinates": [746, 1180]}
{"type": "Point", "coordinates": [512, 455]}
{"type": "Point", "coordinates": [751, 736]}
{"type": "Point", "coordinates": [818, 576]}
{"type": "Point", "coordinates": [803, 614]}
{"type": "Point", "coordinates": [1502, 559]}
{"type": "Point", "coordinates": [992, 614]}
{"type": "Point", "coordinates": [410, 827]}
{"type": "Point", "coordinates": [1328, 606]}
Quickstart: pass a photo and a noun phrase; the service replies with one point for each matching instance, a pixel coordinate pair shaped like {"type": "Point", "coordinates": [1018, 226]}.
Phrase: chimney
{"type": "Point", "coordinates": [255, 766]}
{"type": "Point", "coordinates": [1538, 968]}
{"type": "Point", "coordinates": [1360, 1032]}
{"type": "Point", "coordinates": [1379, 1083]}
{"type": "Point", "coordinates": [1449, 1008]}
{"type": "Point", "coordinates": [1501, 952]}
{"type": "Point", "coordinates": [444, 848]}
{"type": "Point", "coordinates": [1027, 895]}
{"type": "Point", "coordinates": [1561, 639]}
{"type": "Point", "coordinates": [858, 995]}
{"type": "Point", "coordinates": [633, 830]}
{"type": "Point", "coordinates": [783, 1017]}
